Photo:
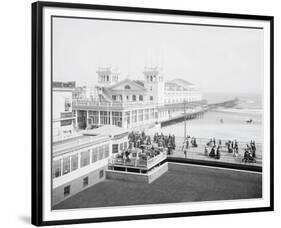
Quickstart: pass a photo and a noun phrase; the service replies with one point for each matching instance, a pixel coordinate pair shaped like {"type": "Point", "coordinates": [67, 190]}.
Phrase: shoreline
{"type": "Point", "coordinates": [234, 126]}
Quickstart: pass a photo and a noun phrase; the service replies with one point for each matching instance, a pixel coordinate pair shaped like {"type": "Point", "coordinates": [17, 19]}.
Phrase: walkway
{"type": "Point", "coordinates": [198, 152]}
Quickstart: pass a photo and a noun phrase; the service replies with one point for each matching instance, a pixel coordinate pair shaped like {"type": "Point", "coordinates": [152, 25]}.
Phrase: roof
{"type": "Point", "coordinates": [178, 84]}
{"type": "Point", "coordinates": [76, 143]}
{"type": "Point", "coordinates": [109, 130]}
{"type": "Point", "coordinates": [133, 83]}
{"type": "Point", "coordinates": [140, 82]}
{"type": "Point", "coordinates": [182, 82]}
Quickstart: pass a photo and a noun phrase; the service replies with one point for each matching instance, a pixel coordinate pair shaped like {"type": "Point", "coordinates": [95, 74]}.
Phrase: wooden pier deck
{"type": "Point", "coordinates": [198, 113]}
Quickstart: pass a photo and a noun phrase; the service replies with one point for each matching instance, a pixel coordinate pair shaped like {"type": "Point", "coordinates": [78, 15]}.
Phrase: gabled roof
{"type": "Point", "coordinates": [140, 82]}
{"type": "Point", "coordinates": [182, 82]}
{"type": "Point", "coordinates": [132, 84]}
{"type": "Point", "coordinates": [178, 84]}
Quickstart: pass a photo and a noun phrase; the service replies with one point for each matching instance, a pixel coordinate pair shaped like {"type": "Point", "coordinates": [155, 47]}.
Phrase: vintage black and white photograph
{"type": "Point", "coordinates": [127, 96]}
{"type": "Point", "coordinates": [157, 113]}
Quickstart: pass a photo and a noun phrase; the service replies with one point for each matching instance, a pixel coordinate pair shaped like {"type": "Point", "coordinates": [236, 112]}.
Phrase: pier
{"type": "Point", "coordinates": [198, 113]}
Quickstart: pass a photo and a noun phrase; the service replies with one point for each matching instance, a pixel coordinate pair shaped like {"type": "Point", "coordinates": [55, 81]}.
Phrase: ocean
{"type": "Point", "coordinates": [226, 123]}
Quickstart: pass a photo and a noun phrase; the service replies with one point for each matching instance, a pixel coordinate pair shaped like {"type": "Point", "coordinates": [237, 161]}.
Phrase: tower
{"type": "Point", "coordinates": [107, 76]}
{"type": "Point", "coordinates": [154, 83]}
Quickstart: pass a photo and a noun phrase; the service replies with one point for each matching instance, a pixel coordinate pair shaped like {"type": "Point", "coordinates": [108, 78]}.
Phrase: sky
{"type": "Point", "coordinates": [215, 59]}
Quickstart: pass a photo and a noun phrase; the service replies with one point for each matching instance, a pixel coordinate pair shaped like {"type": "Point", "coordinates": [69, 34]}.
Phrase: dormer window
{"type": "Point", "coordinates": [127, 87]}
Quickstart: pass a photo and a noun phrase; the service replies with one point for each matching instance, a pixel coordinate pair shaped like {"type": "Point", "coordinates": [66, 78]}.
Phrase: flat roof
{"type": "Point", "coordinates": [109, 130]}
{"type": "Point", "coordinates": [181, 184]}
{"type": "Point", "coordinates": [76, 143]}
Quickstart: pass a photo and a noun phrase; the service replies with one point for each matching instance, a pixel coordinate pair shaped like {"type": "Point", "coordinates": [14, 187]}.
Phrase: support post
{"type": "Point", "coordinates": [184, 120]}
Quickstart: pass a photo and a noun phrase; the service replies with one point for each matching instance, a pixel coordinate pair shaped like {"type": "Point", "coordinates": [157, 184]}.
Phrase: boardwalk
{"type": "Point", "coordinates": [198, 152]}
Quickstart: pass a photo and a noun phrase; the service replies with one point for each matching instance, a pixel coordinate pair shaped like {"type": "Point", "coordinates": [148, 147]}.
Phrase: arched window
{"type": "Point", "coordinates": [134, 97]}
{"type": "Point", "coordinates": [127, 87]}
{"type": "Point", "coordinates": [141, 98]}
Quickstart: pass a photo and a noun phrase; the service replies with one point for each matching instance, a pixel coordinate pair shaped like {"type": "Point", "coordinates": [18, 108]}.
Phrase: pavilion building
{"type": "Point", "coordinates": [134, 104]}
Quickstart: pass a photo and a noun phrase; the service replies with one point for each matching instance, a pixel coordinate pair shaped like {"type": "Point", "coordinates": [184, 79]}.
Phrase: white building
{"type": "Point", "coordinates": [62, 119]}
{"type": "Point", "coordinates": [135, 103]}
{"type": "Point", "coordinates": [80, 161]}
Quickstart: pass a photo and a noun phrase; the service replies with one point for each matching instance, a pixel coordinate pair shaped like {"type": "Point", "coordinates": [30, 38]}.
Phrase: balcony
{"type": "Point", "coordinates": [141, 161]}
{"type": "Point", "coordinates": [95, 104]}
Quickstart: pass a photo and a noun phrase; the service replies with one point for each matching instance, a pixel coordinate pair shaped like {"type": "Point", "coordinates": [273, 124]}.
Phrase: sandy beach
{"type": "Point", "coordinates": [234, 126]}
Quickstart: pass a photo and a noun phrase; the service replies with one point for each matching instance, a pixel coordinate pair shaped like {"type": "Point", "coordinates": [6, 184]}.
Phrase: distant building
{"type": "Point", "coordinates": [134, 103]}
{"type": "Point", "coordinates": [63, 119]}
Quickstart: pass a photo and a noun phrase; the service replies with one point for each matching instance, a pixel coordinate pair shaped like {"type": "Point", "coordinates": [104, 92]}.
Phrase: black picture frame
{"type": "Point", "coordinates": [37, 110]}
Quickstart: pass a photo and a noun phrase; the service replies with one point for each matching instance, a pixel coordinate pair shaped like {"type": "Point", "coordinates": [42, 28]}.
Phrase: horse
{"type": "Point", "coordinates": [249, 121]}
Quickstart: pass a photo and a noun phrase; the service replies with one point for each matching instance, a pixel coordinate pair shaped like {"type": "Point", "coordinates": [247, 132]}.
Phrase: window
{"type": "Point", "coordinates": [134, 116]}
{"type": "Point", "coordinates": [146, 114]}
{"type": "Point", "coordinates": [100, 152]}
{"type": "Point", "coordinates": [57, 168]}
{"type": "Point", "coordinates": [66, 190]}
{"type": "Point", "coordinates": [121, 146]}
{"type": "Point", "coordinates": [117, 118]}
{"type": "Point", "coordinates": [127, 87]}
{"type": "Point", "coordinates": [127, 98]}
{"type": "Point", "coordinates": [106, 151]}
{"type": "Point", "coordinates": [105, 117]}
{"type": "Point", "coordinates": [85, 158]}
{"type": "Point", "coordinates": [66, 165]}
{"type": "Point", "coordinates": [134, 97]}
{"type": "Point", "coordinates": [127, 117]}
{"type": "Point", "coordinates": [151, 113]}
{"type": "Point", "coordinates": [65, 123]}
{"type": "Point", "coordinates": [141, 97]}
{"type": "Point", "coordinates": [74, 162]}
{"type": "Point", "coordinates": [114, 97]}
{"type": "Point", "coordinates": [115, 148]}
{"type": "Point", "coordinates": [85, 181]}
{"type": "Point", "coordinates": [67, 104]}
{"type": "Point", "coordinates": [94, 155]}
{"type": "Point", "coordinates": [125, 145]}
{"type": "Point", "coordinates": [151, 98]}
{"type": "Point", "coordinates": [94, 115]}
{"type": "Point", "coordinates": [101, 174]}
{"type": "Point", "coordinates": [140, 115]}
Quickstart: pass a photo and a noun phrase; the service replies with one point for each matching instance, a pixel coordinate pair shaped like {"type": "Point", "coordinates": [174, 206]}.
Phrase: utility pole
{"type": "Point", "coordinates": [184, 104]}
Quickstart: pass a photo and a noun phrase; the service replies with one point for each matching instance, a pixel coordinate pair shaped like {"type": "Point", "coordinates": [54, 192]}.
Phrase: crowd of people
{"type": "Point", "coordinates": [250, 152]}
{"type": "Point", "coordinates": [232, 147]}
{"type": "Point", "coordinates": [138, 140]}
{"type": "Point", "coordinates": [212, 148]}
{"type": "Point", "coordinates": [189, 142]}
{"type": "Point", "coordinates": [166, 141]}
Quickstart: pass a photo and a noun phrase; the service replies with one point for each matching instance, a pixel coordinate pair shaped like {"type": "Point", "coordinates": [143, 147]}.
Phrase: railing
{"type": "Point", "coordinates": [138, 162]}
{"type": "Point", "coordinates": [199, 152]}
{"type": "Point", "coordinates": [156, 159]}
{"type": "Point", "coordinates": [87, 103]}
